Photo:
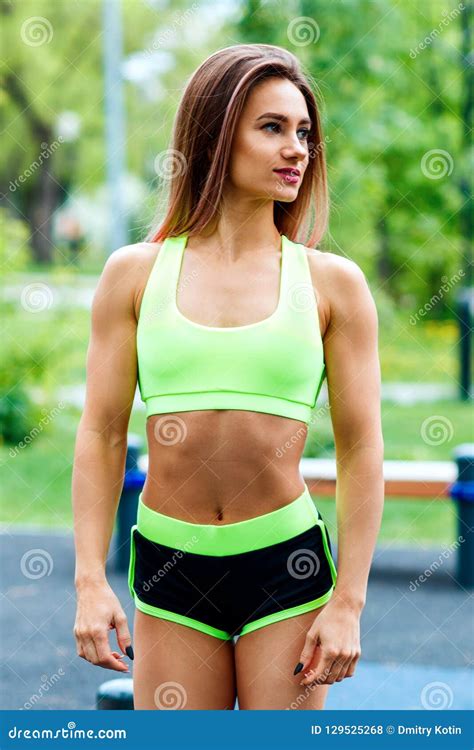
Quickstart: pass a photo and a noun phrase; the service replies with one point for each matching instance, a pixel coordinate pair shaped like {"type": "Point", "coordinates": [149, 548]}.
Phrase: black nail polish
{"type": "Point", "coordinates": [298, 668]}
{"type": "Point", "coordinates": [129, 652]}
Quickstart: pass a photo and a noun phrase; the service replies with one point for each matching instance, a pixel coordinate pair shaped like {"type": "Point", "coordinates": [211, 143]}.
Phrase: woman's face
{"type": "Point", "coordinates": [272, 134]}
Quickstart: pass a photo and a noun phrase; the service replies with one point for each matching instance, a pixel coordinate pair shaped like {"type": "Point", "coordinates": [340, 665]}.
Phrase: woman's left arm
{"type": "Point", "coordinates": [353, 376]}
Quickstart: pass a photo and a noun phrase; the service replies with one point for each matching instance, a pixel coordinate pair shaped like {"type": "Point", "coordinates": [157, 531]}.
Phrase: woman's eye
{"type": "Point", "coordinates": [305, 131]}
{"type": "Point", "coordinates": [271, 125]}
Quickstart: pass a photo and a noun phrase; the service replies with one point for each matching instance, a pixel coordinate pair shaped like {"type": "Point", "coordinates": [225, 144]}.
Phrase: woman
{"type": "Point", "coordinates": [230, 326]}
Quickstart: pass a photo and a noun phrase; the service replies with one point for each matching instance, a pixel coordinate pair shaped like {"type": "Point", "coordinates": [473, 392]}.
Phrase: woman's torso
{"type": "Point", "coordinates": [224, 465]}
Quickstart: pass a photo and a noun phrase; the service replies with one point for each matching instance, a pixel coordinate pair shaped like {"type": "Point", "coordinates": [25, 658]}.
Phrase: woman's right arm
{"type": "Point", "coordinates": [100, 453]}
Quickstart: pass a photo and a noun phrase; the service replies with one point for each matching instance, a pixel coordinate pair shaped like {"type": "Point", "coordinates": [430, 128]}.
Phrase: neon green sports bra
{"type": "Point", "coordinates": [275, 365]}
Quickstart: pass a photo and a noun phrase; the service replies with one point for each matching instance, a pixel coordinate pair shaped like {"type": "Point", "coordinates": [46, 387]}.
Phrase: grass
{"type": "Point", "coordinates": [420, 432]}
{"type": "Point", "coordinates": [425, 352]}
{"type": "Point", "coordinates": [37, 480]}
{"type": "Point", "coordinates": [405, 521]}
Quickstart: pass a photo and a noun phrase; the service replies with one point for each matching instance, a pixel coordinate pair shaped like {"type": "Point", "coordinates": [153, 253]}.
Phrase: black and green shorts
{"type": "Point", "coordinates": [228, 580]}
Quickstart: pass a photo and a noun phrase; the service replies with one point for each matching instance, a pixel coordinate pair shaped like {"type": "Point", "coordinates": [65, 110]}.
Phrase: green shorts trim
{"type": "Point", "coordinates": [285, 613]}
{"type": "Point", "coordinates": [232, 538]}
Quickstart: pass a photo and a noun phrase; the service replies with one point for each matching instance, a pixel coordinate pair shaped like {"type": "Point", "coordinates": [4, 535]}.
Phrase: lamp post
{"type": "Point", "coordinates": [114, 122]}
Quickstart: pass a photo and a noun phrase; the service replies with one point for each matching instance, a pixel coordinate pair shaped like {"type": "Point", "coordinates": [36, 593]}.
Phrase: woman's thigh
{"type": "Point", "coordinates": [265, 660]}
{"type": "Point", "coordinates": [178, 667]}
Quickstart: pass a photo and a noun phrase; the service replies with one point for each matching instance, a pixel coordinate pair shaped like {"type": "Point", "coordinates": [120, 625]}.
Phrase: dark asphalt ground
{"type": "Point", "coordinates": [417, 645]}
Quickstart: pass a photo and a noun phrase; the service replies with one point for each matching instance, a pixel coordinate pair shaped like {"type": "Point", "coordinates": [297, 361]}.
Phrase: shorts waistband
{"type": "Point", "coordinates": [233, 538]}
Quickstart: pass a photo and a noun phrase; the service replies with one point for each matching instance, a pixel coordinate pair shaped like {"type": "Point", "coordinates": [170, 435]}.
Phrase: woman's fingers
{"type": "Point", "coordinates": [308, 653]}
{"type": "Point", "coordinates": [106, 657]}
{"type": "Point", "coordinates": [95, 649]}
{"type": "Point", "coordinates": [99, 612]}
{"type": "Point", "coordinates": [124, 638]}
{"type": "Point", "coordinates": [88, 647]}
{"type": "Point", "coordinates": [343, 664]}
{"type": "Point", "coordinates": [321, 673]}
{"type": "Point", "coordinates": [331, 670]}
{"type": "Point", "coordinates": [352, 666]}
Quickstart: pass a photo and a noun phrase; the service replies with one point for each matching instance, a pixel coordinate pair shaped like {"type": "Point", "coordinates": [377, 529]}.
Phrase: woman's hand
{"type": "Point", "coordinates": [98, 611]}
{"type": "Point", "coordinates": [332, 645]}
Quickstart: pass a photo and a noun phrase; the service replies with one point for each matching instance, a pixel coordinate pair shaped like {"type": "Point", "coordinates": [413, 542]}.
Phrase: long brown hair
{"type": "Point", "coordinates": [202, 139]}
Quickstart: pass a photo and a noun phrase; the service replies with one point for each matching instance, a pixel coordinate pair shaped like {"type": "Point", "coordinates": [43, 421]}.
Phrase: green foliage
{"type": "Point", "coordinates": [14, 255]}
{"type": "Point", "coordinates": [18, 411]}
{"type": "Point", "coordinates": [35, 354]}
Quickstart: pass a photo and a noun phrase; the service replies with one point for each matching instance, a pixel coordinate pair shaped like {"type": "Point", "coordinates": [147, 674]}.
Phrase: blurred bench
{"type": "Point", "coordinates": [409, 479]}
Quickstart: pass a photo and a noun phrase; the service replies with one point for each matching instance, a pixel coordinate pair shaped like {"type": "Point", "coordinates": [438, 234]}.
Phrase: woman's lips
{"type": "Point", "coordinates": [290, 177]}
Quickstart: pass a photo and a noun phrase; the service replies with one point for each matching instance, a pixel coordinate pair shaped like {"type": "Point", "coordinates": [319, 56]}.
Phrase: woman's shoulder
{"type": "Point", "coordinates": [335, 267]}
{"type": "Point", "coordinates": [126, 271]}
{"type": "Point", "coordinates": [336, 280]}
{"type": "Point", "coordinates": [135, 256]}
